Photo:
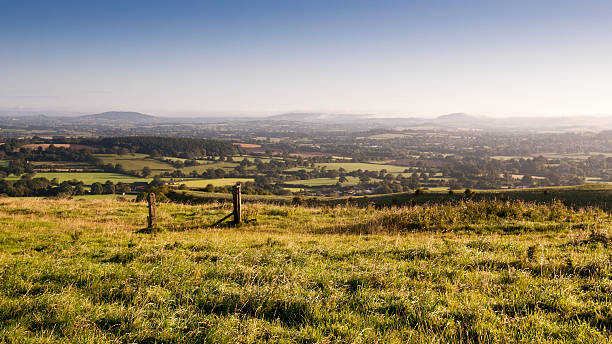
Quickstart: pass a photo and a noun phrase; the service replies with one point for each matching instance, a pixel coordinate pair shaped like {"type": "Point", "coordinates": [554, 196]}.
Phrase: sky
{"type": "Point", "coordinates": [401, 58]}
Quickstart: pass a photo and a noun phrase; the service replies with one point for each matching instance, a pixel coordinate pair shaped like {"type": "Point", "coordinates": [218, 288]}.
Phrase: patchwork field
{"type": "Point", "coordinates": [354, 166]}
{"type": "Point", "coordinates": [323, 182]}
{"type": "Point", "coordinates": [386, 136]}
{"type": "Point", "coordinates": [135, 162]}
{"type": "Point", "coordinates": [80, 272]}
{"type": "Point", "coordinates": [214, 165]}
{"type": "Point", "coordinates": [200, 183]}
{"type": "Point", "coordinates": [87, 178]}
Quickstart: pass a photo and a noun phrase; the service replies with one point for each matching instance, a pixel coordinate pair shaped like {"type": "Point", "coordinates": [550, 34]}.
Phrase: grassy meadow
{"type": "Point", "coordinates": [135, 162]}
{"type": "Point", "coordinates": [354, 166]}
{"type": "Point", "coordinates": [200, 183]}
{"type": "Point", "coordinates": [588, 195]}
{"type": "Point", "coordinates": [87, 178]}
{"type": "Point", "coordinates": [317, 182]}
{"type": "Point", "coordinates": [214, 165]}
{"type": "Point", "coordinates": [82, 271]}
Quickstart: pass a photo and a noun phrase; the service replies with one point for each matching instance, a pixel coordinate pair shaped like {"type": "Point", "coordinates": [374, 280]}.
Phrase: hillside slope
{"type": "Point", "coordinates": [120, 116]}
{"type": "Point", "coordinates": [79, 271]}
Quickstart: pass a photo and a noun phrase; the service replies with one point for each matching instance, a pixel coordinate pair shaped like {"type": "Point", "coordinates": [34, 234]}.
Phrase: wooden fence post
{"type": "Point", "coordinates": [237, 203]}
{"type": "Point", "coordinates": [152, 211]}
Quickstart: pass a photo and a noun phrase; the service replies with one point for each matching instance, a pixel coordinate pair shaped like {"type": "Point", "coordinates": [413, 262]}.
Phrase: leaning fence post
{"type": "Point", "coordinates": [152, 211]}
{"type": "Point", "coordinates": [237, 203]}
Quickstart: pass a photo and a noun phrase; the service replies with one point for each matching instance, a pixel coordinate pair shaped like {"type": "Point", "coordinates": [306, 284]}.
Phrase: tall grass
{"type": "Point", "coordinates": [78, 272]}
{"type": "Point", "coordinates": [479, 216]}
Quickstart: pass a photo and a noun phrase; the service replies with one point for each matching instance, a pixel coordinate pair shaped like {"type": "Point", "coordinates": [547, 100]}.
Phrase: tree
{"type": "Point", "coordinates": [156, 182]}
{"type": "Point", "coordinates": [96, 188]}
{"type": "Point", "coordinates": [122, 188]}
{"type": "Point", "coordinates": [146, 171]}
{"type": "Point", "coordinates": [109, 187]}
{"type": "Point", "coordinates": [527, 180]}
{"type": "Point", "coordinates": [79, 190]}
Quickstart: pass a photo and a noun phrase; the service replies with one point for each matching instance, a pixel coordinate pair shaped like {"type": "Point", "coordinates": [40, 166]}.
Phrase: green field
{"type": "Point", "coordinates": [105, 197]}
{"type": "Point", "coordinates": [354, 166]}
{"type": "Point", "coordinates": [578, 156]}
{"type": "Point", "coordinates": [196, 197]}
{"type": "Point", "coordinates": [386, 136]}
{"type": "Point", "coordinates": [324, 182]}
{"type": "Point", "coordinates": [200, 183]}
{"type": "Point", "coordinates": [588, 195]}
{"type": "Point", "coordinates": [298, 169]}
{"type": "Point", "coordinates": [79, 272]}
{"type": "Point", "coordinates": [595, 180]}
{"type": "Point", "coordinates": [200, 161]}
{"type": "Point", "coordinates": [87, 178]}
{"type": "Point", "coordinates": [295, 189]}
{"type": "Point", "coordinates": [239, 158]}
{"type": "Point", "coordinates": [214, 165]}
{"type": "Point", "coordinates": [134, 162]}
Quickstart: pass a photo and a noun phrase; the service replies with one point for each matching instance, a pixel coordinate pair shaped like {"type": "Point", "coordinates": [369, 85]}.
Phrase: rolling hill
{"type": "Point", "coordinates": [123, 116]}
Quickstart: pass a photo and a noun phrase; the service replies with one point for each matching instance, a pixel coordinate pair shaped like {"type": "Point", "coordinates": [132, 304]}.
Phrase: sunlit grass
{"type": "Point", "coordinates": [78, 271]}
{"type": "Point", "coordinates": [135, 162]}
{"type": "Point", "coordinates": [200, 183]}
{"type": "Point", "coordinates": [86, 177]}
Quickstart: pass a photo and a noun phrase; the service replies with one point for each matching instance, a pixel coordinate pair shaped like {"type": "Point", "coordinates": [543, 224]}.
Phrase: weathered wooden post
{"type": "Point", "coordinates": [152, 211]}
{"type": "Point", "coordinates": [237, 203]}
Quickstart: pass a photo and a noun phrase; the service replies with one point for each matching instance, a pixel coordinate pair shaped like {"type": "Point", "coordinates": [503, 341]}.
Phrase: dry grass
{"type": "Point", "coordinates": [77, 272]}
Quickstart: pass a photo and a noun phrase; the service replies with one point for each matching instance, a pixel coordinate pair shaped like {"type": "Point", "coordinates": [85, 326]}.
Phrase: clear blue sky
{"type": "Point", "coordinates": [413, 58]}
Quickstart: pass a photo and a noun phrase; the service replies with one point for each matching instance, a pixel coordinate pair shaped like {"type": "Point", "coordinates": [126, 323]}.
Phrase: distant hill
{"type": "Point", "coordinates": [126, 116]}
{"type": "Point", "coordinates": [463, 120]}
{"type": "Point", "coordinates": [454, 117]}
{"type": "Point", "coordinates": [325, 121]}
{"type": "Point", "coordinates": [315, 117]}
{"type": "Point", "coordinates": [453, 120]}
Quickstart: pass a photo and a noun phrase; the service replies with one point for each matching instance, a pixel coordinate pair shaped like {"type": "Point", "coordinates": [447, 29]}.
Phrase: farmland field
{"type": "Point", "coordinates": [134, 162]}
{"type": "Point", "coordinates": [200, 183]}
{"type": "Point", "coordinates": [214, 165]}
{"type": "Point", "coordinates": [78, 271]}
{"type": "Point", "coordinates": [354, 166]}
{"type": "Point", "coordinates": [252, 158]}
{"type": "Point", "coordinates": [105, 197]}
{"type": "Point", "coordinates": [595, 180]}
{"type": "Point", "coordinates": [323, 181]}
{"type": "Point", "coordinates": [87, 177]}
{"type": "Point", "coordinates": [200, 161]}
{"type": "Point", "coordinates": [386, 136]}
{"type": "Point", "coordinates": [589, 195]}
{"type": "Point", "coordinates": [60, 164]}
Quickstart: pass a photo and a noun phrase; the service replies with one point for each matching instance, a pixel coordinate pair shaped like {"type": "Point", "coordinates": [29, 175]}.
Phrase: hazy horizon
{"type": "Point", "coordinates": [389, 58]}
{"type": "Point", "coordinates": [55, 113]}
